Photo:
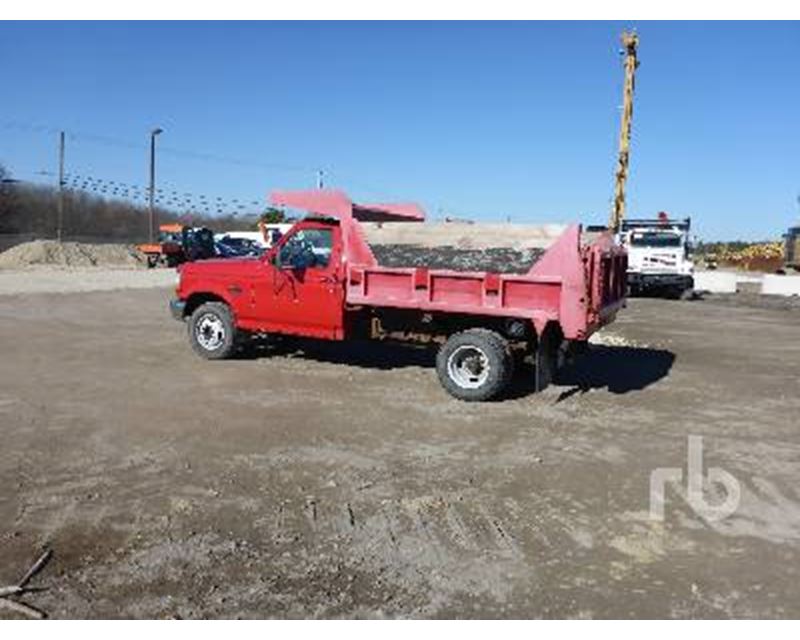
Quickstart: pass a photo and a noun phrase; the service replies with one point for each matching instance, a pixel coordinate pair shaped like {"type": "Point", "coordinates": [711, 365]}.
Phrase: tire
{"type": "Point", "coordinates": [212, 332]}
{"type": "Point", "coordinates": [475, 365]}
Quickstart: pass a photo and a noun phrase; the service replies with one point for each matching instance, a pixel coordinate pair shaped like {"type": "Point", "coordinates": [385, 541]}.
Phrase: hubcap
{"type": "Point", "coordinates": [210, 332]}
{"type": "Point", "coordinates": [468, 367]}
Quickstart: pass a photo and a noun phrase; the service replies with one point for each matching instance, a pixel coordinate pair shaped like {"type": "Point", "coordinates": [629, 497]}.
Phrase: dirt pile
{"type": "Point", "coordinates": [71, 254]}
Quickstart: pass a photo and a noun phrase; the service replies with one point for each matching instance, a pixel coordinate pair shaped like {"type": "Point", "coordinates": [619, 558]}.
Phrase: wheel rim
{"type": "Point", "coordinates": [468, 367]}
{"type": "Point", "coordinates": [210, 332]}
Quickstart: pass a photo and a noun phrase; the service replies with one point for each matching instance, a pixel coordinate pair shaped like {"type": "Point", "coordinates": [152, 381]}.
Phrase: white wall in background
{"type": "Point", "coordinates": [781, 285]}
{"type": "Point", "coordinates": [721, 281]}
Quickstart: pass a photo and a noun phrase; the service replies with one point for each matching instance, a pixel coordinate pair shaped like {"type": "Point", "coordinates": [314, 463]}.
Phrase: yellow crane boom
{"type": "Point", "coordinates": [630, 43]}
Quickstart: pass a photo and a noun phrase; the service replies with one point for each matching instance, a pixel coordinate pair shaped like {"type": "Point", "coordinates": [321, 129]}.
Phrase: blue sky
{"type": "Point", "coordinates": [484, 120]}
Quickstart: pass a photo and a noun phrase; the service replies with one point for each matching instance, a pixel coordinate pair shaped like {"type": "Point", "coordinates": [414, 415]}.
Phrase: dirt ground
{"type": "Point", "coordinates": [72, 280]}
{"type": "Point", "coordinates": [341, 481]}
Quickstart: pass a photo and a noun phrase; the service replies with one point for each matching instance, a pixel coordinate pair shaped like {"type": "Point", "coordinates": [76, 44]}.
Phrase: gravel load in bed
{"type": "Point", "coordinates": [496, 260]}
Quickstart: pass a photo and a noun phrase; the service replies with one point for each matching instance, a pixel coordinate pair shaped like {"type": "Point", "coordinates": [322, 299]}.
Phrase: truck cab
{"type": "Point", "coordinates": [295, 288]}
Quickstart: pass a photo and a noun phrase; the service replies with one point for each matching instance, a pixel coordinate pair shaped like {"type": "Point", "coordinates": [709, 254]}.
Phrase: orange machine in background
{"type": "Point", "coordinates": [168, 251]}
{"type": "Point", "coordinates": [177, 244]}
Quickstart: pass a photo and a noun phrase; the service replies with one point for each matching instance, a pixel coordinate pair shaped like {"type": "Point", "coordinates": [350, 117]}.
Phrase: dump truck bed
{"type": "Point", "coordinates": [580, 287]}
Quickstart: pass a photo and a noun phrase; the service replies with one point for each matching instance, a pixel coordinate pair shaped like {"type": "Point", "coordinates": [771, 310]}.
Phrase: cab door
{"type": "Point", "coordinates": [302, 289]}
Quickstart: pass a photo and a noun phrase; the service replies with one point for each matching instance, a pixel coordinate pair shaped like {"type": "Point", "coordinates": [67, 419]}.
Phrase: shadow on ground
{"type": "Point", "coordinates": [355, 353]}
{"type": "Point", "coordinates": [618, 369]}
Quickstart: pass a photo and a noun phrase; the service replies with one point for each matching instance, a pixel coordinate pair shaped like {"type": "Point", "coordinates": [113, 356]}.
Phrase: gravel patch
{"type": "Point", "coordinates": [496, 260]}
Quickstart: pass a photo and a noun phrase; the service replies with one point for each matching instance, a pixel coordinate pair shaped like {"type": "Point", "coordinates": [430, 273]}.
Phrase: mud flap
{"type": "Point", "coordinates": [549, 358]}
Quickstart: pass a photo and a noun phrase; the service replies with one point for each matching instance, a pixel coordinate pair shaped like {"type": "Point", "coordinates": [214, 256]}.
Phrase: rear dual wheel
{"type": "Point", "coordinates": [475, 365]}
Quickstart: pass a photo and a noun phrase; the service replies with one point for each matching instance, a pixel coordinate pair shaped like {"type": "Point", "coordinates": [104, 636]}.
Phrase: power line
{"type": "Point", "coordinates": [166, 198]}
{"type": "Point", "coordinates": [112, 141]}
{"type": "Point", "coordinates": [187, 153]}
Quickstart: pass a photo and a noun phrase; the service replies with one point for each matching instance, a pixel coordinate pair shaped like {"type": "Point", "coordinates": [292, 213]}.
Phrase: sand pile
{"type": "Point", "coordinates": [71, 254]}
{"type": "Point", "coordinates": [459, 235]}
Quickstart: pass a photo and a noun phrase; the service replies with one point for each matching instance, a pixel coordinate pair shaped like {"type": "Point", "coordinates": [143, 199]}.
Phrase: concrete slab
{"type": "Point", "coordinates": [723, 281]}
{"type": "Point", "coordinates": [781, 285]}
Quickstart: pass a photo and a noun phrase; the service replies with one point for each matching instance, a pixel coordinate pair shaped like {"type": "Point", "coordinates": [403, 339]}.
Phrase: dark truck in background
{"type": "Point", "coordinates": [791, 250]}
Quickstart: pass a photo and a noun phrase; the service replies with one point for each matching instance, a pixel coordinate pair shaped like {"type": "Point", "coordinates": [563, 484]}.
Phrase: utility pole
{"type": "Point", "coordinates": [60, 229]}
{"type": "Point", "coordinates": [152, 215]}
{"type": "Point", "coordinates": [630, 43]}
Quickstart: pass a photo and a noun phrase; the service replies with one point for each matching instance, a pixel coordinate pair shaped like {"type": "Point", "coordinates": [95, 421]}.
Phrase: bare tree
{"type": "Point", "coordinates": [31, 209]}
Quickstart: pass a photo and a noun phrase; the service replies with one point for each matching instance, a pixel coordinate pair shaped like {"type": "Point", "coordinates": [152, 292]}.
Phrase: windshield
{"type": "Point", "coordinates": [166, 237]}
{"type": "Point", "coordinates": [655, 239]}
{"type": "Point", "coordinates": [235, 242]}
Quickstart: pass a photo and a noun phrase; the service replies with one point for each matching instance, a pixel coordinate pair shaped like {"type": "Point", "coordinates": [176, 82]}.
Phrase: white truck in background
{"type": "Point", "coordinates": [659, 256]}
{"type": "Point", "coordinates": [267, 235]}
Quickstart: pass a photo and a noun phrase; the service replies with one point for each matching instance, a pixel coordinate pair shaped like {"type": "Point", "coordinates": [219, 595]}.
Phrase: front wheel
{"type": "Point", "coordinates": [475, 365]}
{"type": "Point", "coordinates": [212, 333]}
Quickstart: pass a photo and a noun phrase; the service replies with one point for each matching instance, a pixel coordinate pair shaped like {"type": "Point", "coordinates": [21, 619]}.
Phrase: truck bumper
{"type": "Point", "coordinates": [644, 281]}
{"type": "Point", "coordinates": [176, 308]}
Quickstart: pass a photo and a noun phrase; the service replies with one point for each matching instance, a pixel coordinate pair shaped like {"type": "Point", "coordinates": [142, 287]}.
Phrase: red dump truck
{"type": "Point", "coordinates": [323, 280]}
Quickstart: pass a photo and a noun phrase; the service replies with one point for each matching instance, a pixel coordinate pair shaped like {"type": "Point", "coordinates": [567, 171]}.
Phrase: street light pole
{"type": "Point", "coordinates": [60, 224]}
{"type": "Point", "coordinates": [152, 215]}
